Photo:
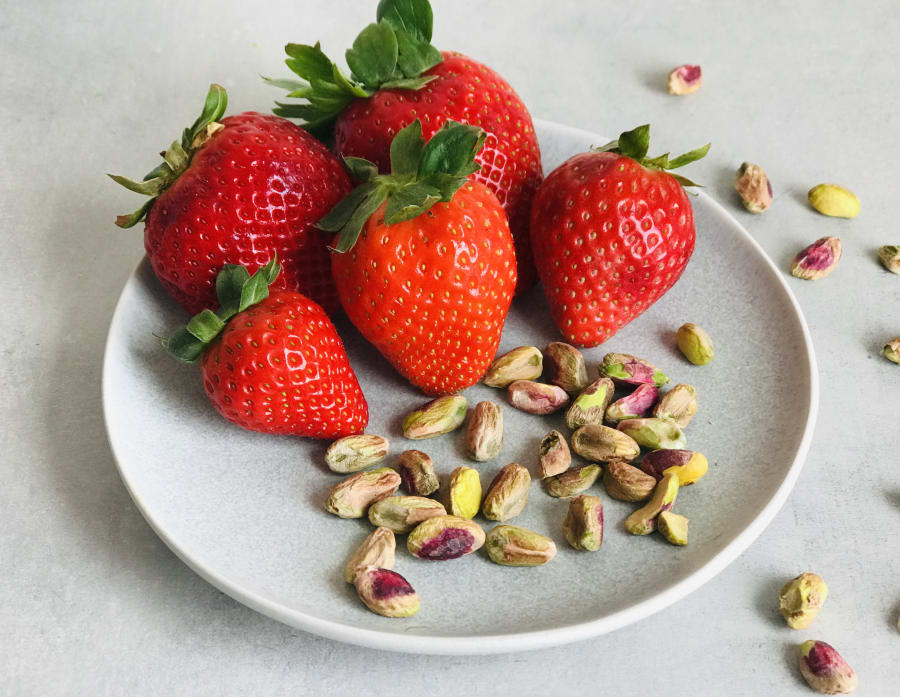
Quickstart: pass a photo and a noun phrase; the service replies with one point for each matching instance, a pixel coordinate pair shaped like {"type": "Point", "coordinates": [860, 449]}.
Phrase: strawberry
{"type": "Point", "coordinates": [272, 363]}
{"type": "Point", "coordinates": [424, 261]}
{"type": "Point", "coordinates": [397, 76]}
{"type": "Point", "coordinates": [611, 232]}
{"type": "Point", "coordinates": [239, 190]}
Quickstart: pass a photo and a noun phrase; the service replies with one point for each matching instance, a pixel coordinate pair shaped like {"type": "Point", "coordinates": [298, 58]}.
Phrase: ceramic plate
{"type": "Point", "coordinates": [244, 510]}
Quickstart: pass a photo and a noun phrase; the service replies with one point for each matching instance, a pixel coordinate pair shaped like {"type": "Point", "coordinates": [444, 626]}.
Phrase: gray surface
{"type": "Point", "coordinates": [94, 603]}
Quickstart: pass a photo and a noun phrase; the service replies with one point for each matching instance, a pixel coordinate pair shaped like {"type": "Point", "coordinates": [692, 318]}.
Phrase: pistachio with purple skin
{"type": "Point", "coordinates": [444, 537]}
{"type": "Point", "coordinates": [685, 79]}
{"type": "Point", "coordinates": [536, 397]}
{"type": "Point", "coordinates": [678, 404]}
{"type": "Point", "coordinates": [437, 417]}
{"type": "Point", "coordinates": [417, 472]}
{"type": "Point", "coordinates": [555, 456]}
{"type": "Point", "coordinates": [386, 592]}
{"type": "Point", "coordinates": [890, 257]}
{"type": "Point", "coordinates": [754, 187]}
{"type": "Point", "coordinates": [508, 493]}
{"type": "Point", "coordinates": [484, 435]}
{"type": "Point", "coordinates": [633, 406]}
{"type": "Point", "coordinates": [522, 363]}
{"type": "Point", "coordinates": [825, 670]}
{"type": "Point", "coordinates": [565, 367]}
{"type": "Point", "coordinates": [583, 525]}
{"type": "Point", "coordinates": [589, 407]}
{"type": "Point", "coordinates": [626, 369]}
{"type": "Point", "coordinates": [602, 444]}
{"type": "Point", "coordinates": [891, 350]}
{"type": "Point", "coordinates": [654, 433]}
{"type": "Point", "coordinates": [352, 497]}
{"type": "Point", "coordinates": [572, 482]}
{"type": "Point", "coordinates": [643, 520]}
{"type": "Point", "coordinates": [818, 259]}
{"type": "Point", "coordinates": [687, 465]}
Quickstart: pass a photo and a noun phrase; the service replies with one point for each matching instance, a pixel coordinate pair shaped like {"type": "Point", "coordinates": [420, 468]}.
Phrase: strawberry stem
{"type": "Point", "coordinates": [635, 144]}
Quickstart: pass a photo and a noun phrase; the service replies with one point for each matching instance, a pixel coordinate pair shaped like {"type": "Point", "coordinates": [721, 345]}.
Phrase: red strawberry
{"type": "Point", "coordinates": [239, 190]}
{"type": "Point", "coordinates": [397, 77]}
{"type": "Point", "coordinates": [273, 363]}
{"type": "Point", "coordinates": [611, 232]}
{"type": "Point", "coordinates": [425, 266]}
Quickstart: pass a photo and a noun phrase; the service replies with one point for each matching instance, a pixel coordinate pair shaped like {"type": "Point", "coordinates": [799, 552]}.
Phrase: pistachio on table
{"type": "Point", "coordinates": [626, 369]}
{"type": "Point", "coordinates": [626, 482]}
{"type": "Point", "coordinates": [436, 418]}
{"type": "Point", "coordinates": [354, 453]}
{"type": "Point", "coordinates": [891, 350]}
{"type": "Point", "coordinates": [834, 201]}
{"type": "Point", "coordinates": [801, 598]}
{"type": "Point", "coordinates": [463, 493]}
{"type": "Point", "coordinates": [754, 187]}
{"type": "Point", "coordinates": [536, 397]}
{"type": "Point", "coordinates": [643, 520]}
{"type": "Point", "coordinates": [654, 433]}
{"type": "Point", "coordinates": [351, 497]}
{"type": "Point", "coordinates": [678, 404]}
{"type": "Point", "coordinates": [583, 525]}
{"type": "Point", "coordinates": [565, 366]}
{"type": "Point", "coordinates": [818, 259]}
{"type": "Point", "coordinates": [484, 434]}
{"type": "Point", "coordinates": [417, 472]}
{"type": "Point", "coordinates": [687, 465]}
{"type": "Point", "coordinates": [444, 537]}
{"type": "Point", "coordinates": [522, 363]}
{"type": "Point", "coordinates": [589, 407]}
{"type": "Point", "coordinates": [634, 405]}
{"type": "Point", "coordinates": [555, 456]}
{"type": "Point", "coordinates": [694, 343]}
{"type": "Point", "coordinates": [602, 443]}
{"type": "Point", "coordinates": [673, 527]}
{"type": "Point", "coordinates": [572, 482]}
{"type": "Point", "coordinates": [376, 550]}
{"type": "Point", "coordinates": [511, 545]}
{"type": "Point", "coordinates": [685, 79]}
{"type": "Point", "coordinates": [889, 255]}
{"type": "Point", "coordinates": [508, 493]}
{"type": "Point", "coordinates": [402, 513]}
{"type": "Point", "coordinates": [386, 592]}
{"type": "Point", "coordinates": [825, 670]}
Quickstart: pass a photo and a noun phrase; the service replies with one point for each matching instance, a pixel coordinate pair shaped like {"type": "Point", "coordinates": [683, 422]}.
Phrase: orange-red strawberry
{"type": "Point", "coordinates": [611, 232]}
{"type": "Point", "coordinates": [239, 190]}
{"type": "Point", "coordinates": [397, 76]}
{"type": "Point", "coordinates": [273, 362]}
{"type": "Point", "coordinates": [424, 263]}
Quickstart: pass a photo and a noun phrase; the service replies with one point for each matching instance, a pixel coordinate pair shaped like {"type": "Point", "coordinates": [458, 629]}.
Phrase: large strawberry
{"type": "Point", "coordinates": [239, 190]}
{"type": "Point", "coordinates": [272, 362]}
{"type": "Point", "coordinates": [424, 261]}
{"type": "Point", "coordinates": [611, 232]}
{"type": "Point", "coordinates": [397, 76]}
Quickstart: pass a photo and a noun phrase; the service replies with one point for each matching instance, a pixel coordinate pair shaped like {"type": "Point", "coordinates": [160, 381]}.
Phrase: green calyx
{"type": "Point", "coordinates": [391, 53]}
{"type": "Point", "coordinates": [177, 158]}
{"type": "Point", "coordinates": [421, 175]}
{"type": "Point", "coordinates": [636, 143]}
{"type": "Point", "coordinates": [236, 290]}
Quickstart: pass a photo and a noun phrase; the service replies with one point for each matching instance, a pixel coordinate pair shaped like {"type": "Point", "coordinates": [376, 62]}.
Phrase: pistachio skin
{"type": "Point", "coordinates": [626, 482]}
{"type": "Point", "coordinates": [825, 670]}
{"type": "Point", "coordinates": [583, 524]}
{"type": "Point", "coordinates": [445, 537]}
{"type": "Point", "coordinates": [510, 545]}
{"type": "Point", "coordinates": [589, 407]}
{"type": "Point", "coordinates": [522, 363]}
{"type": "Point", "coordinates": [437, 417]}
{"type": "Point", "coordinates": [889, 255]}
{"type": "Point", "coordinates": [801, 598]}
{"type": "Point", "coordinates": [417, 472]}
{"type": "Point", "coordinates": [602, 444]}
{"type": "Point", "coordinates": [891, 350]}
{"type": "Point", "coordinates": [565, 367]}
{"type": "Point", "coordinates": [386, 592]}
{"type": "Point", "coordinates": [484, 434]}
{"type": "Point", "coordinates": [625, 369]}
{"type": "Point", "coordinates": [685, 79]}
{"type": "Point", "coordinates": [633, 406]}
{"type": "Point", "coordinates": [554, 455]}
{"type": "Point", "coordinates": [818, 259]}
{"type": "Point", "coordinates": [643, 520]}
{"type": "Point", "coordinates": [678, 404]}
{"type": "Point", "coordinates": [687, 465]}
{"type": "Point", "coordinates": [536, 397]}
{"type": "Point", "coordinates": [377, 550]}
{"type": "Point", "coordinates": [508, 493]}
{"type": "Point", "coordinates": [402, 513]}
{"type": "Point", "coordinates": [355, 453]}
{"type": "Point", "coordinates": [754, 187]}
{"type": "Point", "coordinates": [352, 497]}
{"type": "Point", "coordinates": [572, 482]}
{"type": "Point", "coordinates": [654, 433]}
{"type": "Point", "coordinates": [694, 343]}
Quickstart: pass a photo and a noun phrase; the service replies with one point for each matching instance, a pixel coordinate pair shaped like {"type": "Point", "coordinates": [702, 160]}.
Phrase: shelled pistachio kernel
{"type": "Point", "coordinates": [463, 493]}
{"type": "Point", "coordinates": [511, 545]}
{"type": "Point", "coordinates": [602, 443]}
{"type": "Point", "coordinates": [754, 187]}
{"type": "Point", "coordinates": [833, 200]}
{"type": "Point", "coordinates": [626, 482]}
{"type": "Point", "coordinates": [572, 482]}
{"type": "Point", "coordinates": [484, 434]}
{"type": "Point", "coordinates": [687, 465]}
{"type": "Point", "coordinates": [589, 407]}
{"type": "Point", "coordinates": [678, 404]}
{"type": "Point", "coordinates": [402, 513]}
{"type": "Point", "coordinates": [355, 453]}
{"type": "Point", "coordinates": [583, 524]}
{"type": "Point", "coordinates": [632, 406]}
{"type": "Point", "coordinates": [643, 520]}
{"type": "Point", "coordinates": [436, 418]}
{"type": "Point", "coordinates": [376, 550]}
{"type": "Point", "coordinates": [536, 397]}
{"type": "Point", "coordinates": [825, 670]}
{"type": "Point", "coordinates": [654, 433]}
{"type": "Point", "coordinates": [522, 363]}
{"type": "Point", "coordinates": [626, 369]}
{"type": "Point", "coordinates": [891, 350]}
{"type": "Point", "coordinates": [444, 537]}
{"type": "Point", "coordinates": [694, 343]}
{"type": "Point", "coordinates": [818, 259]}
{"type": "Point", "coordinates": [554, 455]}
{"type": "Point", "coordinates": [565, 367]}
{"type": "Point", "coordinates": [801, 598]}
{"type": "Point", "coordinates": [673, 527]}
{"type": "Point", "coordinates": [351, 497]}
{"type": "Point", "coordinates": [386, 592]}
{"type": "Point", "coordinates": [508, 493]}
{"type": "Point", "coordinates": [417, 472]}
{"type": "Point", "coordinates": [685, 79]}
{"type": "Point", "coordinates": [890, 256]}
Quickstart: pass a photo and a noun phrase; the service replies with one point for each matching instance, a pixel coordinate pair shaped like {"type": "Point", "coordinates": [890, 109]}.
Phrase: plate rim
{"type": "Point", "coordinates": [494, 643]}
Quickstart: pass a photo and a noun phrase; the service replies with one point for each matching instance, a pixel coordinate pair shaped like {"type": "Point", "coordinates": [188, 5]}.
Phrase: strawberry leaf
{"type": "Point", "coordinates": [408, 83]}
{"type": "Point", "coordinates": [411, 16]}
{"type": "Point", "coordinates": [229, 282]}
{"type": "Point", "coordinates": [309, 62]}
{"type": "Point", "coordinates": [409, 202]}
{"type": "Point", "coordinates": [351, 230]}
{"type": "Point", "coordinates": [635, 143]}
{"type": "Point", "coordinates": [340, 215]}
{"type": "Point", "coordinates": [373, 58]}
{"type": "Point", "coordinates": [406, 150]}
{"type": "Point", "coordinates": [360, 168]}
{"type": "Point", "coordinates": [205, 326]}
{"type": "Point", "coordinates": [415, 56]}
{"type": "Point", "coordinates": [452, 150]}
{"type": "Point", "coordinates": [688, 157]}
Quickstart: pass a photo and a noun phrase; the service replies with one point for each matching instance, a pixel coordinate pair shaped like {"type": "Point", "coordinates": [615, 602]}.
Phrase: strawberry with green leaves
{"type": "Point", "coordinates": [396, 77]}
{"type": "Point", "coordinates": [272, 362]}
{"type": "Point", "coordinates": [424, 261]}
{"type": "Point", "coordinates": [612, 230]}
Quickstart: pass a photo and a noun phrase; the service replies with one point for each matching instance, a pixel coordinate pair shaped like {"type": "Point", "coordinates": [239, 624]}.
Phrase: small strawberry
{"type": "Point", "coordinates": [424, 262]}
{"type": "Point", "coordinates": [239, 190]}
{"type": "Point", "coordinates": [611, 232]}
{"type": "Point", "coordinates": [272, 362]}
{"type": "Point", "coordinates": [397, 76]}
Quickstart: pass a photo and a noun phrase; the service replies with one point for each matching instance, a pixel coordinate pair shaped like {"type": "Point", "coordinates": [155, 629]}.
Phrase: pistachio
{"type": "Point", "coordinates": [435, 418]}
{"type": "Point", "coordinates": [417, 472]}
{"type": "Point", "coordinates": [583, 525]}
{"type": "Point", "coordinates": [890, 257]}
{"type": "Point", "coordinates": [694, 343]}
{"type": "Point", "coordinates": [508, 493]}
{"type": "Point", "coordinates": [444, 537]}
{"type": "Point", "coordinates": [523, 363]}
{"type": "Point", "coordinates": [386, 592]}
{"type": "Point", "coordinates": [626, 482]}
{"type": "Point", "coordinates": [891, 350]}
{"type": "Point", "coordinates": [825, 670]}
{"type": "Point", "coordinates": [511, 545]}
{"type": "Point", "coordinates": [673, 527]}
{"type": "Point", "coordinates": [643, 520]}
{"type": "Point", "coordinates": [376, 550]}
{"type": "Point", "coordinates": [834, 201]}
{"type": "Point", "coordinates": [402, 513]}
{"type": "Point", "coordinates": [555, 457]}
{"type": "Point", "coordinates": [678, 404]}
{"type": "Point", "coordinates": [654, 433]}
{"type": "Point", "coordinates": [626, 369]}
{"type": "Point", "coordinates": [801, 598]}
{"type": "Point", "coordinates": [817, 260]}
{"type": "Point", "coordinates": [463, 495]}
{"type": "Point", "coordinates": [565, 366]}
{"type": "Point", "coordinates": [754, 187]}
{"type": "Point", "coordinates": [590, 406]}
{"type": "Point", "coordinates": [351, 497]}
{"type": "Point", "coordinates": [602, 443]}
{"type": "Point", "coordinates": [572, 482]}
{"type": "Point", "coordinates": [484, 435]}
{"type": "Point", "coordinates": [632, 406]}
{"type": "Point", "coordinates": [354, 453]}
{"type": "Point", "coordinates": [536, 397]}
{"type": "Point", "coordinates": [685, 79]}
{"type": "Point", "coordinates": [687, 465]}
